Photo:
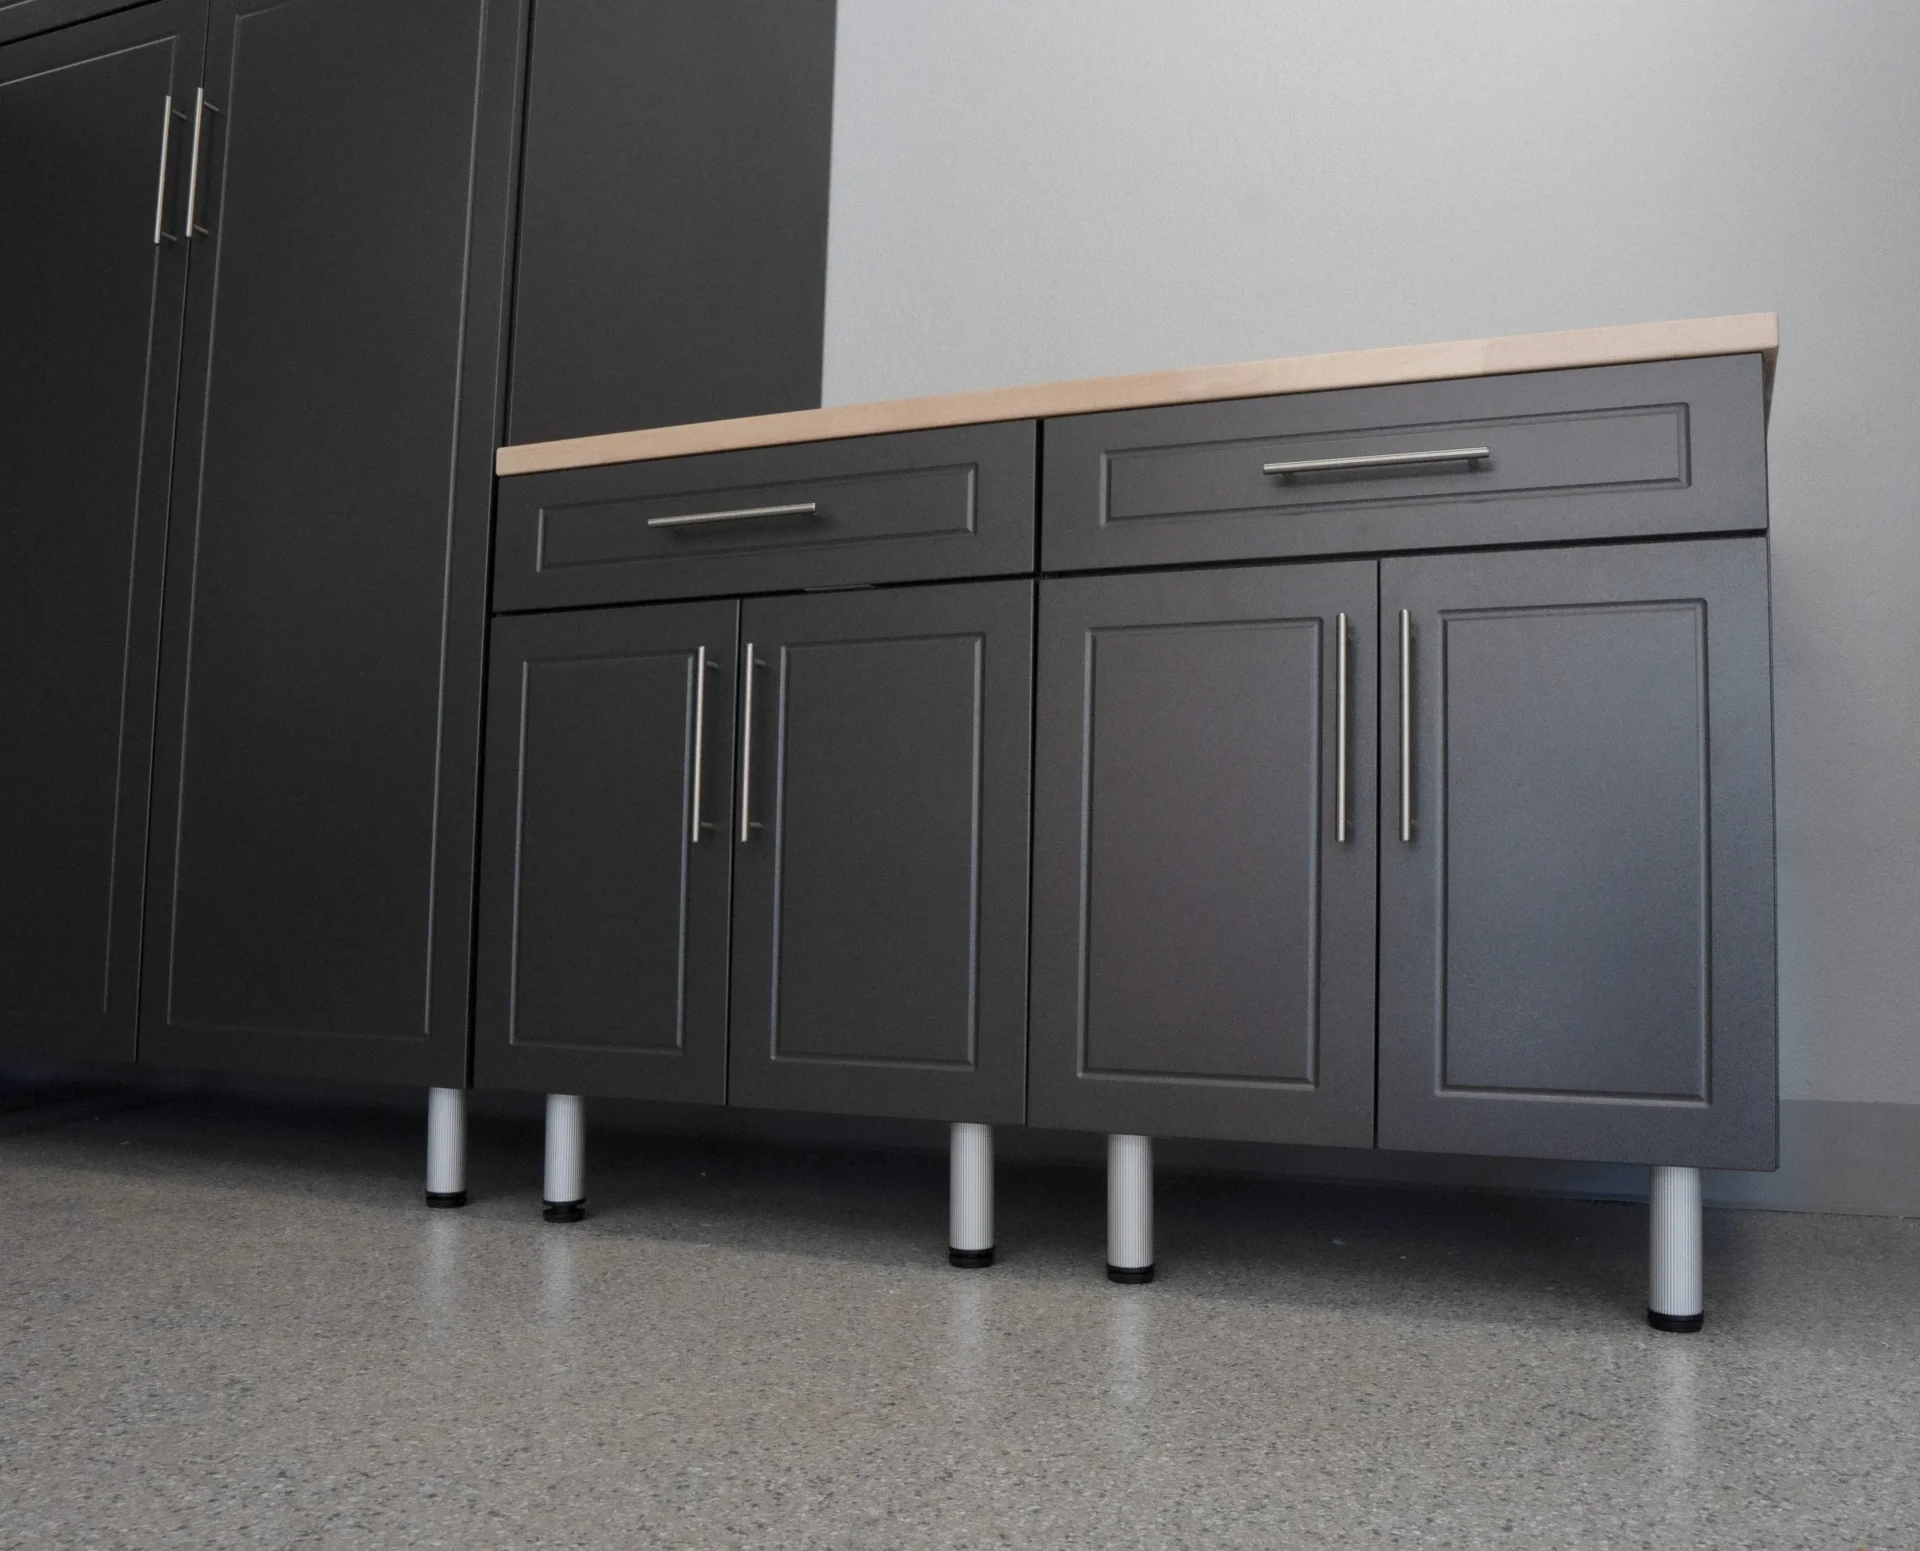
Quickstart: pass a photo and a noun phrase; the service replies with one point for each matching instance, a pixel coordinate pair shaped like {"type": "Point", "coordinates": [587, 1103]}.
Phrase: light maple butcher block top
{"type": "Point", "coordinates": [1745, 334]}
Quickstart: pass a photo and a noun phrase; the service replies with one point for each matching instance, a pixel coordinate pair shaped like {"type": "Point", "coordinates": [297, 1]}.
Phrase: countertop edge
{"type": "Point", "coordinates": [1740, 334]}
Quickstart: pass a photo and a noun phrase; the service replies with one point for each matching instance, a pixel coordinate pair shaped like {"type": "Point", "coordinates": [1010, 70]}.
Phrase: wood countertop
{"type": "Point", "coordinates": [1747, 333]}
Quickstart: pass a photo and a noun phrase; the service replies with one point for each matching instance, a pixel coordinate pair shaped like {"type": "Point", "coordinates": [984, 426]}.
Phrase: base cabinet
{"type": "Point", "coordinates": [606, 863]}
{"type": "Point", "coordinates": [1204, 807]}
{"type": "Point", "coordinates": [1576, 870]}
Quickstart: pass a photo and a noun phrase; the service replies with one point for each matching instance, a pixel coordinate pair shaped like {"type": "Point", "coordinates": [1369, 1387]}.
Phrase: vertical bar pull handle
{"type": "Point", "coordinates": [1340, 736]}
{"type": "Point", "coordinates": [201, 108]}
{"type": "Point", "coordinates": [747, 665]}
{"type": "Point", "coordinates": [1406, 727]}
{"type": "Point", "coordinates": [167, 116]}
{"type": "Point", "coordinates": [700, 666]}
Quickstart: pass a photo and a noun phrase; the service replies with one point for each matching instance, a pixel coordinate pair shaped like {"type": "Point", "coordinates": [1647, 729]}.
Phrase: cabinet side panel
{"type": "Point", "coordinates": [673, 232]}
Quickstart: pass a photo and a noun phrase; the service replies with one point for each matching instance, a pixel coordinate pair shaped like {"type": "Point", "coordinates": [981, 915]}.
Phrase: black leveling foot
{"type": "Point", "coordinates": [1130, 1276]}
{"type": "Point", "coordinates": [446, 1198]}
{"type": "Point", "coordinates": [1679, 1324]}
{"type": "Point", "coordinates": [969, 1259]}
{"type": "Point", "coordinates": [564, 1211]}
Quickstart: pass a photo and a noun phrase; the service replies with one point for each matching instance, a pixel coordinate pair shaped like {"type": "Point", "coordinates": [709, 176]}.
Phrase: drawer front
{"type": "Point", "coordinates": [1541, 457]}
{"type": "Point", "coordinates": [919, 506]}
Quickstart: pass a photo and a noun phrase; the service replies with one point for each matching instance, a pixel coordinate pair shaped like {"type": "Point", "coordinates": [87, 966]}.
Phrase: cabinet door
{"type": "Point", "coordinates": [311, 909]}
{"type": "Point", "coordinates": [1576, 938]}
{"type": "Point", "coordinates": [673, 215]}
{"type": "Point", "coordinates": [89, 338]}
{"type": "Point", "coordinates": [1204, 923]}
{"type": "Point", "coordinates": [605, 860]}
{"type": "Point", "coordinates": [880, 892]}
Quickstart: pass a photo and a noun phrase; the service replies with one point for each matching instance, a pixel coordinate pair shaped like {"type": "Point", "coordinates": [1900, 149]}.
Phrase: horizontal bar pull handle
{"type": "Point", "coordinates": [1377, 460]}
{"type": "Point", "coordinates": [744, 514]}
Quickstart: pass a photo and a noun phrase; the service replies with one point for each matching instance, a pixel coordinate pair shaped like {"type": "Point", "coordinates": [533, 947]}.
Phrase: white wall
{"type": "Point", "coordinates": [1034, 189]}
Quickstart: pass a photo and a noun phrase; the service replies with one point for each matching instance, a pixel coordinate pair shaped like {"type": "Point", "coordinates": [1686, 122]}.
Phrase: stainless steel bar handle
{"type": "Point", "coordinates": [746, 743]}
{"type": "Point", "coordinates": [693, 519]}
{"type": "Point", "coordinates": [1340, 738]}
{"type": "Point", "coordinates": [1406, 727]}
{"type": "Point", "coordinates": [201, 108]}
{"type": "Point", "coordinates": [160, 232]}
{"type": "Point", "coordinates": [1378, 460]}
{"type": "Point", "coordinates": [699, 735]}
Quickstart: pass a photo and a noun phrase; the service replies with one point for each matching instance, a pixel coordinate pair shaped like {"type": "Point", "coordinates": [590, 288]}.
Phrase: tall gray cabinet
{"type": "Point", "coordinates": [94, 289]}
{"type": "Point", "coordinates": [259, 259]}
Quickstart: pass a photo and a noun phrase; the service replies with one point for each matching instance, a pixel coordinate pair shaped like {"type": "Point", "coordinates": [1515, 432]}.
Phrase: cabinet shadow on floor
{"type": "Point", "coordinates": [1424, 1253]}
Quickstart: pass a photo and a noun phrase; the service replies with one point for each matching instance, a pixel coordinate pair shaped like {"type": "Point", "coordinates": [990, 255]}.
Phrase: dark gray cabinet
{"type": "Point", "coordinates": [90, 338]}
{"type": "Point", "coordinates": [1204, 832]}
{"type": "Point", "coordinates": [673, 222]}
{"type": "Point", "coordinates": [880, 879]}
{"type": "Point", "coordinates": [606, 851]}
{"type": "Point", "coordinates": [317, 742]}
{"type": "Point", "coordinates": [1576, 931]}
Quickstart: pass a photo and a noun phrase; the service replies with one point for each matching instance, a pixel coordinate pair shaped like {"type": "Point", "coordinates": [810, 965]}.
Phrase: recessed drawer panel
{"type": "Point", "coordinates": [1544, 457]}
{"type": "Point", "coordinates": [918, 506]}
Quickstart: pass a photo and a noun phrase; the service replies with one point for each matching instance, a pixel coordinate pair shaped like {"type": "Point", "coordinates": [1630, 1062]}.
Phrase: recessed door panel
{"type": "Point", "coordinates": [876, 782]}
{"type": "Point", "coordinates": [1203, 866]}
{"type": "Point", "coordinates": [1575, 761]}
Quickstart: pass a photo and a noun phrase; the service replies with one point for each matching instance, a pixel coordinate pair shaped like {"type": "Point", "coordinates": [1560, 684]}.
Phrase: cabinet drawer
{"type": "Point", "coordinates": [918, 506]}
{"type": "Point", "coordinates": [1541, 457]}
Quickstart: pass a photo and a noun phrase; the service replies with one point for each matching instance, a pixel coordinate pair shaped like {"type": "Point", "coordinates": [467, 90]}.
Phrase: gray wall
{"type": "Point", "coordinates": [1034, 189]}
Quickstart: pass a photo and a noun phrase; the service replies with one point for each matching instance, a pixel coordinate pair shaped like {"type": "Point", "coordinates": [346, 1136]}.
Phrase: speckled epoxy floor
{"type": "Point", "coordinates": [231, 1323]}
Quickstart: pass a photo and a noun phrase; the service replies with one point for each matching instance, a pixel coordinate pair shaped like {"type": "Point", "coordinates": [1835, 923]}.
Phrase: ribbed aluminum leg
{"type": "Point", "coordinates": [446, 1147]}
{"type": "Point", "coordinates": [970, 1210]}
{"type": "Point", "coordinates": [564, 1194]}
{"type": "Point", "coordinates": [1674, 1298]}
{"type": "Point", "coordinates": [1130, 1208]}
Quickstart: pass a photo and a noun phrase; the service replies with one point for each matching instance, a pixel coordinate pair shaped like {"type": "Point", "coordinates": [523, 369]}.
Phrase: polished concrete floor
{"type": "Point", "coordinates": [231, 1323]}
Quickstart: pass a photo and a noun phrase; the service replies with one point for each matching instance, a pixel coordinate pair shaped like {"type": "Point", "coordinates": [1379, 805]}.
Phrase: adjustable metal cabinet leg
{"type": "Point", "coordinates": [970, 1215]}
{"type": "Point", "coordinates": [446, 1147]}
{"type": "Point", "coordinates": [563, 1195]}
{"type": "Point", "coordinates": [1674, 1298]}
{"type": "Point", "coordinates": [1130, 1208]}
